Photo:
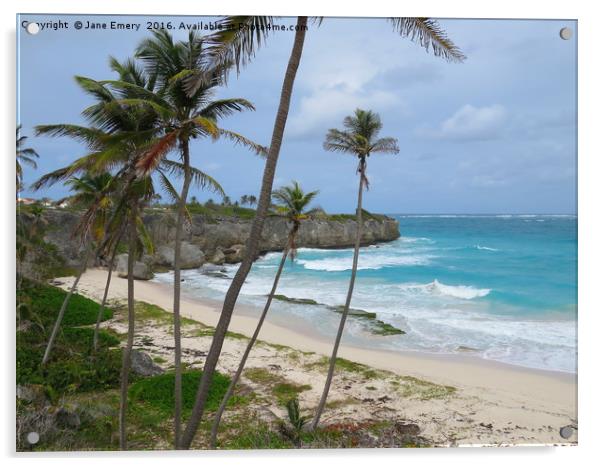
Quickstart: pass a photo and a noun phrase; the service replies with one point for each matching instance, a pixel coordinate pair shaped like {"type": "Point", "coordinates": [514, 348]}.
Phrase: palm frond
{"type": "Point", "coordinates": [430, 35]}
{"type": "Point", "coordinates": [157, 152]}
{"type": "Point", "coordinates": [53, 177]}
{"type": "Point", "coordinates": [165, 112]}
{"type": "Point", "coordinates": [385, 145]}
{"type": "Point", "coordinates": [200, 179]}
{"type": "Point", "coordinates": [206, 126]}
{"type": "Point", "coordinates": [244, 141]}
{"type": "Point", "coordinates": [238, 38]}
{"type": "Point", "coordinates": [95, 88]}
{"type": "Point", "coordinates": [167, 187]}
{"type": "Point", "coordinates": [92, 137]}
{"type": "Point", "coordinates": [226, 107]}
{"type": "Point", "coordinates": [144, 236]}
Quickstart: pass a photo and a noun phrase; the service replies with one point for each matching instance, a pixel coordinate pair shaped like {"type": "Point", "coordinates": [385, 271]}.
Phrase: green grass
{"type": "Point", "coordinates": [251, 435]}
{"type": "Point", "coordinates": [151, 312]}
{"type": "Point", "coordinates": [411, 387]}
{"type": "Point", "coordinates": [219, 210]}
{"type": "Point", "coordinates": [348, 366]}
{"type": "Point", "coordinates": [45, 301]}
{"type": "Point", "coordinates": [210, 331]}
{"type": "Point", "coordinates": [85, 337]}
{"type": "Point", "coordinates": [72, 365]}
{"type": "Point", "coordinates": [261, 375]}
{"type": "Point", "coordinates": [285, 391]}
{"type": "Point", "coordinates": [365, 216]}
{"type": "Point", "coordinates": [158, 391]}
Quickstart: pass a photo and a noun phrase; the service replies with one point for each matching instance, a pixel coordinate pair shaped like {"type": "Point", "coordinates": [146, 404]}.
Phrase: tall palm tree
{"type": "Point", "coordinates": [185, 116]}
{"type": "Point", "coordinates": [237, 42]}
{"type": "Point", "coordinates": [293, 203]}
{"type": "Point", "coordinates": [114, 137]}
{"type": "Point", "coordinates": [25, 155]}
{"type": "Point", "coordinates": [119, 137]}
{"type": "Point", "coordinates": [360, 139]}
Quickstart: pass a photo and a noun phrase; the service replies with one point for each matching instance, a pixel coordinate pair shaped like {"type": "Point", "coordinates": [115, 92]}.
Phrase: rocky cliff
{"type": "Point", "coordinates": [222, 239]}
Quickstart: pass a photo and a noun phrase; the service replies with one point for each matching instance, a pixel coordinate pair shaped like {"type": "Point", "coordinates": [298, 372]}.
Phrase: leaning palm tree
{"type": "Point", "coordinates": [292, 205]}
{"type": "Point", "coordinates": [25, 155]}
{"type": "Point", "coordinates": [359, 139]}
{"type": "Point", "coordinates": [184, 116]}
{"type": "Point", "coordinates": [237, 41]}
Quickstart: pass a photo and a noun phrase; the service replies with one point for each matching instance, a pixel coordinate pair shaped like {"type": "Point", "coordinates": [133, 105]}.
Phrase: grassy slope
{"type": "Point", "coordinates": [95, 397]}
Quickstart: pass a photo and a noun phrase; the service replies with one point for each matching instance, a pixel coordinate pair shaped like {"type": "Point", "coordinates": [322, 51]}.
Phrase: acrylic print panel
{"type": "Point", "coordinates": [272, 232]}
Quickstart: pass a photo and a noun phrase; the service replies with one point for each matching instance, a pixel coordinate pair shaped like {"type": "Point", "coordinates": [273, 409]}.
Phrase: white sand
{"type": "Point", "coordinates": [522, 405]}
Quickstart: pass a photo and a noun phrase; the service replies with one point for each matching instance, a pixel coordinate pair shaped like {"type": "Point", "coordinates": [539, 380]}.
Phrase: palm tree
{"type": "Point", "coordinates": [293, 203]}
{"type": "Point", "coordinates": [109, 149]}
{"type": "Point", "coordinates": [25, 155]}
{"type": "Point", "coordinates": [244, 199]}
{"type": "Point", "coordinates": [185, 116]}
{"type": "Point", "coordinates": [360, 139]}
{"type": "Point", "coordinates": [121, 136]}
{"type": "Point", "coordinates": [252, 200]}
{"type": "Point", "coordinates": [237, 42]}
{"type": "Point", "coordinates": [92, 192]}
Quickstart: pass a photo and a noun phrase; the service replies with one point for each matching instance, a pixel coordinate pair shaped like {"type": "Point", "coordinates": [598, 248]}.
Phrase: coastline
{"type": "Point", "coordinates": [509, 388]}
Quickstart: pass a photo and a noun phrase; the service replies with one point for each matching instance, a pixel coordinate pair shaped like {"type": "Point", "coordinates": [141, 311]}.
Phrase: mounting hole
{"type": "Point", "coordinates": [566, 33]}
{"type": "Point", "coordinates": [32, 28]}
{"type": "Point", "coordinates": [33, 438]}
{"type": "Point", "coordinates": [566, 432]}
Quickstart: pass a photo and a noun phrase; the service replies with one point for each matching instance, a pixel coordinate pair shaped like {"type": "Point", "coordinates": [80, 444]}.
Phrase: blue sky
{"type": "Point", "coordinates": [496, 134]}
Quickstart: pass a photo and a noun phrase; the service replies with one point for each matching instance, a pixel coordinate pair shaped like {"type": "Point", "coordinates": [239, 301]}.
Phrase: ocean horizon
{"type": "Point", "coordinates": [497, 286]}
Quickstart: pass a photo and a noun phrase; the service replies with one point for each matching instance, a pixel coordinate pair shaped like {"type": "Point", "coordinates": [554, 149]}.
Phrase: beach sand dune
{"type": "Point", "coordinates": [454, 399]}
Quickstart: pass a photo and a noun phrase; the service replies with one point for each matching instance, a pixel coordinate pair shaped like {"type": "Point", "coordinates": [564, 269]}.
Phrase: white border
{"type": "Point", "coordinates": [590, 231]}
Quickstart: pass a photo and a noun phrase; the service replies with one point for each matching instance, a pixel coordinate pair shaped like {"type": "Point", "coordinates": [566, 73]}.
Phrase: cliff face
{"type": "Point", "coordinates": [212, 236]}
{"type": "Point", "coordinates": [223, 233]}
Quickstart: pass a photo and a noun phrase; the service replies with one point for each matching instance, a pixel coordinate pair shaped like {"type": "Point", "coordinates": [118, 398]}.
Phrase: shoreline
{"type": "Point", "coordinates": [493, 379]}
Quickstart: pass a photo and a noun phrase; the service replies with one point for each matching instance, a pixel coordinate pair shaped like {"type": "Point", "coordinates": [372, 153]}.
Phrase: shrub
{"type": "Point", "coordinates": [46, 302]}
{"type": "Point", "coordinates": [84, 337]}
{"type": "Point", "coordinates": [72, 365]}
{"type": "Point", "coordinates": [158, 391]}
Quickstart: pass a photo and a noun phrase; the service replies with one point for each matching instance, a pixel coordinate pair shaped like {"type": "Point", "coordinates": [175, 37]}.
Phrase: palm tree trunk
{"type": "Point", "coordinates": [127, 353]}
{"type": "Point", "coordinates": [104, 298]}
{"type": "Point", "coordinates": [243, 361]}
{"type": "Point", "coordinates": [59, 319]}
{"type": "Point", "coordinates": [176, 296]}
{"type": "Point", "coordinates": [337, 342]}
{"type": "Point", "coordinates": [254, 237]}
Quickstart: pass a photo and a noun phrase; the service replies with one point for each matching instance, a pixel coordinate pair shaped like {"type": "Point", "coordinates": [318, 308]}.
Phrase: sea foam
{"type": "Point", "coordinates": [367, 262]}
{"type": "Point", "coordinates": [455, 291]}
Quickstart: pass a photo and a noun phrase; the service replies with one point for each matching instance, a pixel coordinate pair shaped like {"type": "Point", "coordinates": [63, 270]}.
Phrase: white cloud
{"type": "Point", "coordinates": [470, 123]}
{"type": "Point", "coordinates": [354, 71]}
{"type": "Point", "coordinates": [326, 107]}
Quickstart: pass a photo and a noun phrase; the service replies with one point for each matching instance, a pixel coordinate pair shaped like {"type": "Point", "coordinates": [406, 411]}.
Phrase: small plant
{"type": "Point", "coordinates": [296, 421]}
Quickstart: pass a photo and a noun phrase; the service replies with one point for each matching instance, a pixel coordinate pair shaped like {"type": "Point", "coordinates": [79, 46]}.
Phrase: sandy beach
{"type": "Point", "coordinates": [492, 402]}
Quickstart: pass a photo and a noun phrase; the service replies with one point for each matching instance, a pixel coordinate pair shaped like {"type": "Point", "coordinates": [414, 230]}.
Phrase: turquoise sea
{"type": "Point", "coordinates": [500, 287]}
